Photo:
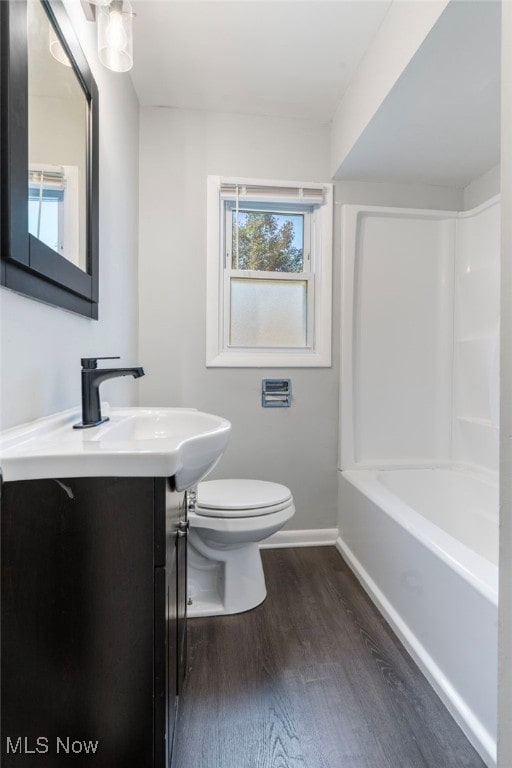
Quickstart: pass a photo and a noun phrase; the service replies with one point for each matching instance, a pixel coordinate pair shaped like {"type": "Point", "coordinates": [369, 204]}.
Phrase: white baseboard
{"type": "Point", "coordinates": [314, 537]}
{"type": "Point", "coordinates": [472, 727]}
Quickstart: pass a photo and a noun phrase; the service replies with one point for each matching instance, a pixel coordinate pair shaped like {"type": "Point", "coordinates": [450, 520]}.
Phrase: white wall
{"type": "Point", "coordinates": [41, 346]}
{"type": "Point", "coordinates": [402, 32]}
{"type": "Point", "coordinates": [505, 586]}
{"type": "Point", "coordinates": [430, 196]}
{"type": "Point", "coordinates": [179, 148]}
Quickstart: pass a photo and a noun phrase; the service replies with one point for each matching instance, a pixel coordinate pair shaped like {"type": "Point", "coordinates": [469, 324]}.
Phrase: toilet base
{"type": "Point", "coordinates": [223, 582]}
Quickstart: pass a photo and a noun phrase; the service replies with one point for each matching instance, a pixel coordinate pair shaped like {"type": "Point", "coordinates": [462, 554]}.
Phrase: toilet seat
{"type": "Point", "coordinates": [241, 498]}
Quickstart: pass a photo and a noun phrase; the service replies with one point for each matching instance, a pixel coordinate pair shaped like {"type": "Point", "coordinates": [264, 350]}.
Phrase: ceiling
{"type": "Point", "coordinates": [263, 57]}
{"type": "Point", "coordinates": [439, 125]}
{"type": "Point", "coordinates": [441, 122]}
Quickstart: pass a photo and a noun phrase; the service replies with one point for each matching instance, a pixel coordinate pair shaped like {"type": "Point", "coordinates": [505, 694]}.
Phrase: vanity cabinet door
{"type": "Point", "coordinates": [89, 631]}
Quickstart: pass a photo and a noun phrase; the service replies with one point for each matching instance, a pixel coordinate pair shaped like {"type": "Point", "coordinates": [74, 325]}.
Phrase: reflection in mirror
{"type": "Point", "coordinates": [57, 143]}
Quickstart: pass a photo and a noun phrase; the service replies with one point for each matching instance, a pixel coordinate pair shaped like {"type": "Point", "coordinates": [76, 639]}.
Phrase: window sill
{"type": "Point", "coordinates": [277, 358]}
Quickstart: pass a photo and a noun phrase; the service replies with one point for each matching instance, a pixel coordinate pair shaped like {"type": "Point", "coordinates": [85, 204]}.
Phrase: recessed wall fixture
{"type": "Point", "coordinates": [115, 35]}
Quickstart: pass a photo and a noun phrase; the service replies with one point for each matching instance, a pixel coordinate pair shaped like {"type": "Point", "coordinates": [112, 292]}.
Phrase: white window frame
{"type": "Point", "coordinates": [317, 273]}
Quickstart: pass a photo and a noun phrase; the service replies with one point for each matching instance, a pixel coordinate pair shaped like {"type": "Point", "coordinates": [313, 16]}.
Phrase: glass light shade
{"type": "Point", "coordinates": [56, 47]}
{"type": "Point", "coordinates": [115, 35]}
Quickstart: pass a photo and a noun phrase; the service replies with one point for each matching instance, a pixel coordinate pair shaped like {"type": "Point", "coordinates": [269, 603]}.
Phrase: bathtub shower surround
{"type": "Point", "coordinates": [418, 498]}
{"type": "Point", "coordinates": [476, 337]}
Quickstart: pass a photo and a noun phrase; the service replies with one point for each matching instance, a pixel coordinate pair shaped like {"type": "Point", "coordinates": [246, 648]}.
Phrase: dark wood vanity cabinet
{"type": "Point", "coordinates": [93, 612]}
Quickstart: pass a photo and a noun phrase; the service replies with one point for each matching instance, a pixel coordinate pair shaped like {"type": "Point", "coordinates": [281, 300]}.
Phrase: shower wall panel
{"type": "Point", "coordinates": [476, 337]}
{"type": "Point", "coordinates": [420, 336]}
{"type": "Point", "coordinates": [401, 340]}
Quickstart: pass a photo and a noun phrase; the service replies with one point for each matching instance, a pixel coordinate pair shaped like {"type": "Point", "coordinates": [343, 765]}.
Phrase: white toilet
{"type": "Point", "coordinates": [225, 574]}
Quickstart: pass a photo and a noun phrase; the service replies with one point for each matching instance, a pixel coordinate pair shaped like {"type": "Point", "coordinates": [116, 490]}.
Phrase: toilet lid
{"type": "Point", "coordinates": [240, 498]}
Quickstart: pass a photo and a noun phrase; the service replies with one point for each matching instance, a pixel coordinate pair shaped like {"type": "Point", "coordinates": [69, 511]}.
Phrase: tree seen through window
{"type": "Point", "coordinates": [268, 242]}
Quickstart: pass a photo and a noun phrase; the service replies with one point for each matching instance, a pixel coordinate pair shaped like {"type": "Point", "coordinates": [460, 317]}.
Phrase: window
{"type": "Point", "coordinates": [53, 215]}
{"type": "Point", "coordinates": [45, 204]}
{"type": "Point", "coordinates": [269, 273]}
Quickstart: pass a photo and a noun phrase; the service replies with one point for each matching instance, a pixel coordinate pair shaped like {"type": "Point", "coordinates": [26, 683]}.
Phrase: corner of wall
{"type": "Point", "coordinates": [482, 188]}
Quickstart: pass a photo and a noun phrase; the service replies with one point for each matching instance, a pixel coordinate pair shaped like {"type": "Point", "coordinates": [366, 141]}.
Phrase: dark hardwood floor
{"type": "Point", "coordinates": [313, 678]}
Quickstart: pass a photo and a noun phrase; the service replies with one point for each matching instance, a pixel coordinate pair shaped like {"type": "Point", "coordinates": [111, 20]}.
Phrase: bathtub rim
{"type": "Point", "coordinates": [469, 565]}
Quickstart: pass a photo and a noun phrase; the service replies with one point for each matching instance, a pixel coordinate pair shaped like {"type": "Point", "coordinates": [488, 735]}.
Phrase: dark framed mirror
{"type": "Point", "coordinates": [49, 158]}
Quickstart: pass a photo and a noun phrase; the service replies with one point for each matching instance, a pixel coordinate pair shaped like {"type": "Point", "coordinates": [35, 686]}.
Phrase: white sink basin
{"type": "Point", "coordinates": [136, 442]}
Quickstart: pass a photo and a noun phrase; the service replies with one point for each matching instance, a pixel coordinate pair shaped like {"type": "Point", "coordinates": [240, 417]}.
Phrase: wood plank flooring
{"type": "Point", "coordinates": [312, 678]}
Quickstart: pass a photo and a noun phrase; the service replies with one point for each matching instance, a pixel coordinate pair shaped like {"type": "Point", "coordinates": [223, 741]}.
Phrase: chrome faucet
{"type": "Point", "coordinates": [91, 380]}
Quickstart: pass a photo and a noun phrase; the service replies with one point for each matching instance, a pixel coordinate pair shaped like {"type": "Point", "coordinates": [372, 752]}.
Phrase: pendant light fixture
{"type": "Point", "coordinates": [115, 34]}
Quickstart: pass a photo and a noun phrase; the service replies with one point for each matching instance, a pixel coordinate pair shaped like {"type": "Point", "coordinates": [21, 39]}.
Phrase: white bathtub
{"type": "Point", "coordinates": [424, 544]}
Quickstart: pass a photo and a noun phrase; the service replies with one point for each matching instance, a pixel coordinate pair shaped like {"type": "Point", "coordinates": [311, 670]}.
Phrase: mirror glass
{"type": "Point", "coordinates": [58, 116]}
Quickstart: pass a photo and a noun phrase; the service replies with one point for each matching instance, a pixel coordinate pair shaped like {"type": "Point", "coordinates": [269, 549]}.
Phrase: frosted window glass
{"type": "Point", "coordinates": [268, 313]}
